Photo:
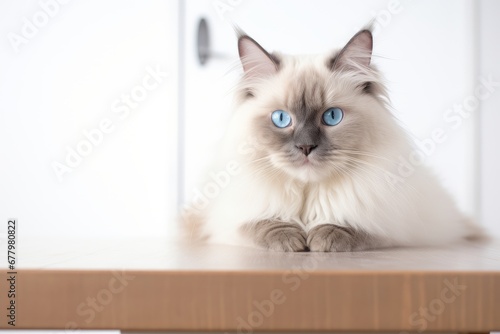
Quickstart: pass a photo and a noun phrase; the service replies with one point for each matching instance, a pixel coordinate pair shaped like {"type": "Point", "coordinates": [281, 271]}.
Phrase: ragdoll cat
{"type": "Point", "coordinates": [311, 161]}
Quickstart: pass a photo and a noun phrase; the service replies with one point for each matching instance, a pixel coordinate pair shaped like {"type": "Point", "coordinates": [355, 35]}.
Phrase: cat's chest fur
{"type": "Point", "coordinates": [316, 203]}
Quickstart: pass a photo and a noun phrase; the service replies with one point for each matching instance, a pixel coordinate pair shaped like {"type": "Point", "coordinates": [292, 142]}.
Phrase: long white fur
{"type": "Point", "coordinates": [403, 210]}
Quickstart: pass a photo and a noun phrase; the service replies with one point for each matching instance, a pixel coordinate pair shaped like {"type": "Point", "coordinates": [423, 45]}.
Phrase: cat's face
{"type": "Point", "coordinates": [314, 117]}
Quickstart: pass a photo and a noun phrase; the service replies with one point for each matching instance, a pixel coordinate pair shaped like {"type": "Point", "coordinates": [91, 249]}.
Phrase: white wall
{"type": "Point", "coordinates": [64, 80]}
{"type": "Point", "coordinates": [489, 65]}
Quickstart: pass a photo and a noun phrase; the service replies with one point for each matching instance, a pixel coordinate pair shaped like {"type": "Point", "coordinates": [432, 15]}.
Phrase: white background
{"type": "Point", "coordinates": [65, 81]}
{"type": "Point", "coordinates": [67, 77]}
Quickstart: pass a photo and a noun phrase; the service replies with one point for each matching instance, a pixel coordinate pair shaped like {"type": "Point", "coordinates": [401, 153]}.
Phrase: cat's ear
{"type": "Point", "coordinates": [357, 53]}
{"type": "Point", "coordinates": [257, 62]}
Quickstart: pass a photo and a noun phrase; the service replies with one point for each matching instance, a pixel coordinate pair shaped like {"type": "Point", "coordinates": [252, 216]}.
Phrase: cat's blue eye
{"type": "Point", "coordinates": [281, 118]}
{"type": "Point", "coordinates": [333, 116]}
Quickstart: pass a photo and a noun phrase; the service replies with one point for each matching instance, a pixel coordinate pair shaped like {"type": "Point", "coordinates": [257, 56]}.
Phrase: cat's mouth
{"type": "Point", "coordinates": [306, 162]}
{"type": "Point", "coordinates": [307, 169]}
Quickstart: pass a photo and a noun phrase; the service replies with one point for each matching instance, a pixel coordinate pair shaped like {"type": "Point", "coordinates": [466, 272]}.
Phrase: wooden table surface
{"type": "Point", "coordinates": [158, 284]}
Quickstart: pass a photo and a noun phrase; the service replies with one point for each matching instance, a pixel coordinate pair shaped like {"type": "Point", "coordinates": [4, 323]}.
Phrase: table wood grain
{"type": "Point", "coordinates": [161, 285]}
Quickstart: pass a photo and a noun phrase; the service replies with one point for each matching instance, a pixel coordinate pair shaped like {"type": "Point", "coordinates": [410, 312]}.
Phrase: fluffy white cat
{"type": "Point", "coordinates": [311, 160]}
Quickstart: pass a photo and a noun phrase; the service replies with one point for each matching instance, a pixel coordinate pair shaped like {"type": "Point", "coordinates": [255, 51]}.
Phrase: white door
{"type": "Point", "coordinates": [489, 114]}
{"type": "Point", "coordinates": [424, 48]}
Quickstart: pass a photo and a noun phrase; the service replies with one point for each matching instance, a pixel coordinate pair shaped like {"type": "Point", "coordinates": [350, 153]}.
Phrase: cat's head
{"type": "Point", "coordinates": [314, 117]}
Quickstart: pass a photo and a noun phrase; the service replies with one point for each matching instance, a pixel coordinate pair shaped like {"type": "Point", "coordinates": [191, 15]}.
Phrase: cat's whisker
{"type": "Point", "coordinates": [400, 189]}
{"type": "Point", "coordinates": [264, 168]}
{"type": "Point", "coordinates": [358, 163]}
{"type": "Point", "coordinates": [365, 163]}
{"type": "Point", "coordinates": [370, 184]}
{"type": "Point", "coordinates": [385, 171]}
{"type": "Point", "coordinates": [368, 154]}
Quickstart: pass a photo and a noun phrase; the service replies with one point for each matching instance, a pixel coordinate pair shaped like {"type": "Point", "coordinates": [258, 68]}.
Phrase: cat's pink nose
{"type": "Point", "coordinates": [306, 149]}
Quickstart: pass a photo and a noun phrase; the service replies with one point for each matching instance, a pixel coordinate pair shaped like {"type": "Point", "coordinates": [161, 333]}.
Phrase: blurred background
{"type": "Point", "coordinates": [109, 109]}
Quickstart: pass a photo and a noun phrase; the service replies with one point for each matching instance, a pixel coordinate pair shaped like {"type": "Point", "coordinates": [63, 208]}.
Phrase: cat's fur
{"type": "Point", "coordinates": [348, 193]}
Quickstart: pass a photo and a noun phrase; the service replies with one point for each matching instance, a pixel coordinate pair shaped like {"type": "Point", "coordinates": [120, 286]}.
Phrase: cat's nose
{"type": "Point", "coordinates": [306, 149]}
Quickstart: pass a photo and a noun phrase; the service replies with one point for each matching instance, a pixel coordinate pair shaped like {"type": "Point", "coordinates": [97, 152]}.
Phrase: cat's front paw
{"type": "Point", "coordinates": [279, 236]}
{"type": "Point", "coordinates": [333, 238]}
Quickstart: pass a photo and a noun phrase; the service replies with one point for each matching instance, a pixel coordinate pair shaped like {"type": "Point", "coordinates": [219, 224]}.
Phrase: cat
{"type": "Point", "coordinates": [314, 154]}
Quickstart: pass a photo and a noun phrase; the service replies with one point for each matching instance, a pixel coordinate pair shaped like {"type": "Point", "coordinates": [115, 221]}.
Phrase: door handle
{"type": "Point", "coordinates": [203, 47]}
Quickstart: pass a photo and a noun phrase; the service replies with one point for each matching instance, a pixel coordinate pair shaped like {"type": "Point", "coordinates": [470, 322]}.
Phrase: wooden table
{"type": "Point", "coordinates": [166, 286]}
